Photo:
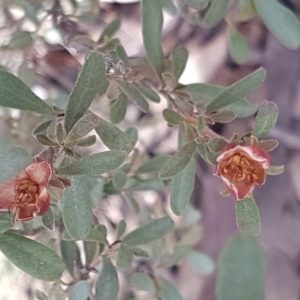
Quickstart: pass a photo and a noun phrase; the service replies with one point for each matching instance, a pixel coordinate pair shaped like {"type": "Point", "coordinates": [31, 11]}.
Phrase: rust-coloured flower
{"type": "Point", "coordinates": [241, 168]}
{"type": "Point", "coordinates": [26, 195]}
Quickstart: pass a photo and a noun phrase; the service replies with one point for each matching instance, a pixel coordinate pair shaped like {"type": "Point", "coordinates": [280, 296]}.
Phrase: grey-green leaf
{"type": "Point", "coordinates": [238, 90]}
{"type": "Point", "coordinates": [153, 165]}
{"type": "Point", "coordinates": [142, 282]}
{"type": "Point", "coordinates": [152, 23]}
{"type": "Point", "coordinates": [110, 30]}
{"type": "Point", "coordinates": [80, 291]}
{"type": "Point", "coordinates": [149, 232]}
{"type": "Point", "coordinates": [31, 257]}
{"type": "Point", "coordinates": [265, 120]}
{"type": "Point", "coordinates": [121, 228]}
{"type": "Point", "coordinates": [275, 170]}
{"type": "Point", "coordinates": [179, 58]}
{"type": "Point", "coordinates": [168, 291]}
{"type": "Point", "coordinates": [124, 257]}
{"type": "Point", "coordinates": [247, 216]}
{"type": "Point", "coordinates": [243, 259]}
{"type": "Point", "coordinates": [215, 13]}
{"type": "Point", "coordinates": [280, 21]}
{"type": "Point", "coordinates": [14, 93]}
{"type": "Point", "coordinates": [118, 109]}
{"type": "Point", "coordinates": [88, 84]}
{"type": "Point", "coordinates": [200, 262]}
{"type": "Point", "coordinates": [94, 165]}
{"type": "Point", "coordinates": [178, 161]}
{"type": "Point", "coordinates": [107, 285]}
{"type": "Point", "coordinates": [134, 95]}
{"type": "Point", "coordinates": [48, 219]}
{"type": "Point", "coordinates": [77, 209]}
{"type": "Point", "coordinates": [172, 117]}
{"type": "Point", "coordinates": [147, 92]}
{"type": "Point", "coordinates": [68, 251]}
{"type": "Point", "coordinates": [113, 137]}
{"type": "Point", "coordinates": [182, 186]}
{"type": "Point", "coordinates": [238, 47]}
{"type": "Point", "coordinates": [82, 127]}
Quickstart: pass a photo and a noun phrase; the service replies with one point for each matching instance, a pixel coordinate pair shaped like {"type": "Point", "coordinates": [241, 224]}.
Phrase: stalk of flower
{"type": "Point", "coordinates": [241, 168]}
{"type": "Point", "coordinates": [26, 195]}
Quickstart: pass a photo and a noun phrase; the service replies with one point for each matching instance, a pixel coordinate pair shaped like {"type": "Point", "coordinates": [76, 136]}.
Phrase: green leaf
{"type": "Point", "coordinates": [134, 95]}
{"type": "Point", "coordinates": [237, 90]}
{"type": "Point", "coordinates": [180, 252]}
{"type": "Point", "coordinates": [119, 180]}
{"type": "Point", "coordinates": [121, 229]}
{"type": "Point", "coordinates": [137, 184]}
{"type": "Point", "coordinates": [243, 259]}
{"type": "Point", "coordinates": [168, 291]}
{"type": "Point", "coordinates": [20, 40]}
{"type": "Point", "coordinates": [139, 252]}
{"type": "Point", "coordinates": [149, 232]}
{"type": "Point", "coordinates": [107, 285]}
{"type": "Point", "coordinates": [48, 219]}
{"type": "Point", "coordinates": [153, 165]}
{"type": "Point", "coordinates": [182, 186]}
{"type": "Point", "coordinates": [215, 13]}
{"type": "Point", "coordinates": [42, 127]}
{"type": "Point", "coordinates": [40, 295]}
{"type": "Point", "coordinates": [238, 47]}
{"type": "Point", "coordinates": [200, 262]}
{"type": "Point", "coordinates": [94, 235]}
{"type": "Point", "coordinates": [89, 81]}
{"type": "Point", "coordinates": [142, 282]}
{"type": "Point", "coordinates": [13, 160]}
{"type": "Point", "coordinates": [247, 216]}
{"type": "Point", "coordinates": [31, 257]}
{"type": "Point", "coordinates": [68, 251]}
{"type": "Point", "coordinates": [110, 30]}
{"type": "Point", "coordinates": [133, 204]}
{"type": "Point", "coordinates": [113, 137]}
{"type": "Point", "coordinates": [44, 140]}
{"type": "Point", "coordinates": [77, 209]}
{"type": "Point", "coordinates": [216, 144]}
{"type": "Point", "coordinates": [118, 109]}
{"type": "Point", "coordinates": [275, 170]}
{"type": "Point", "coordinates": [225, 116]}
{"type": "Point", "coordinates": [172, 117]}
{"type": "Point", "coordinates": [121, 54]}
{"type": "Point", "coordinates": [80, 291]}
{"type": "Point", "coordinates": [152, 24]}
{"type": "Point", "coordinates": [82, 127]}
{"type": "Point", "coordinates": [90, 249]}
{"type": "Point", "coordinates": [14, 93]}
{"type": "Point", "coordinates": [124, 257]}
{"type": "Point", "coordinates": [179, 59]}
{"type": "Point", "coordinates": [113, 91]}
{"type": "Point", "coordinates": [133, 134]}
{"type": "Point", "coordinates": [280, 21]}
{"type": "Point", "coordinates": [197, 4]}
{"type": "Point", "coordinates": [147, 92]}
{"type": "Point", "coordinates": [87, 141]}
{"type": "Point", "coordinates": [200, 124]}
{"type": "Point", "coordinates": [207, 92]}
{"type": "Point", "coordinates": [94, 165]}
{"type": "Point", "coordinates": [177, 161]}
{"type": "Point", "coordinates": [265, 120]}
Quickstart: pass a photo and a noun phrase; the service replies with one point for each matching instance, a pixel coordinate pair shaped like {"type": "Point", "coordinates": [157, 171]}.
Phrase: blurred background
{"type": "Point", "coordinates": [44, 44]}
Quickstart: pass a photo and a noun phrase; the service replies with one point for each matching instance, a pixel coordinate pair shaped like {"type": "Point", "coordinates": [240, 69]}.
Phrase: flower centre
{"type": "Point", "coordinates": [239, 168]}
{"type": "Point", "coordinates": [26, 192]}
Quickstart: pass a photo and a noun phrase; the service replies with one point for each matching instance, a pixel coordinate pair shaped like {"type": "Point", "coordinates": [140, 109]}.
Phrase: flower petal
{"type": "Point", "coordinates": [258, 155]}
{"type": "Point", "coordinates": [40, 173]}
{"type": "Point", "coordinates": [42, 203]}
{"type": "Point", "coordinates": [25, 213]}
{"type": "Point", "coordinates": [238, 189]}
{"type": "Point", "coordinates": [7, 195]}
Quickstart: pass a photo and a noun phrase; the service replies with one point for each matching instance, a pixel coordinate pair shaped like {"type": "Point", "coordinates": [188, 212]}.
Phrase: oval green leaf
{"type": "Point", "coordinates": [247, 216]}
{"type": "Point", "coordinates": [149, 232]}
{"type": "Point", "coordinates": [142, 282]}
{"type": "Point", "coordinates": [179, 59]}
{"type": "Point", "coordinates": [14, 93]}
{"type": "Point", "coordinates": [94, 165]}
{"type": "Point", "coordinates": [77, 209]}
{"type": "Point", "coordinates": [107, 285]}
{"type": "Point", "coordinates": [118, 109]}
{"type": "Point", "coordinates": [31, 257]}
{"type": "Point", "coordinates": [243, 259]}
{"type": "Point", "coordinates": [215, 13]}
{"type": "Point", "coordinates": [80, 291]}
{"type": "Point", "coordinates": [168, 291]}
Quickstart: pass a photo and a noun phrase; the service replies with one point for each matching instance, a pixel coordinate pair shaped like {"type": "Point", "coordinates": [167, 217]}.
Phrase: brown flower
{"type": "Point", "coordinates": [26, 195]}
{"type": "Point", "coordinates": [241, 168]}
